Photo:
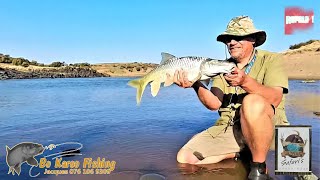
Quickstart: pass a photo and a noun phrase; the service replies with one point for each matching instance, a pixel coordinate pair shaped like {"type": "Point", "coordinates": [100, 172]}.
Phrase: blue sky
{"type": "Point", "coordinates": [136, 30]}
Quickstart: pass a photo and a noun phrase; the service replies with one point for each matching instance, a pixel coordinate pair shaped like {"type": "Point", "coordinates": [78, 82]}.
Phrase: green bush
{"type": "Point", "coordinates": [56, 64]}
{"type": "Point", "coordinates": [5, 59]}
{"type": "Point", "coordinates": [33, 62]}
{"type": "Point", "coordinates": [19, 61]}
{"type": "Point", "coordinates": [80, 64]}
{"type": "Point", "coordinates": [297, 46]}
{"type": "Point", "coordinates": [25, 64]}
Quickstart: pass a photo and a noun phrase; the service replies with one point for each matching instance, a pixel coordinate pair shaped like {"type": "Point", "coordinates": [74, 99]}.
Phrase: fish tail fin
{"type": "Point", "coordinates": [140, 84]}
{"type": "Point", "coordinates": [10, 170]}
{"type": "Point", "coordinates": [8, 149]}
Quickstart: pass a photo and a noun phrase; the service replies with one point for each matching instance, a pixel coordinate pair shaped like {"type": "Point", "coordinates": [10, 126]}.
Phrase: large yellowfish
{"type": "Point", "coordinates": [197, 68]}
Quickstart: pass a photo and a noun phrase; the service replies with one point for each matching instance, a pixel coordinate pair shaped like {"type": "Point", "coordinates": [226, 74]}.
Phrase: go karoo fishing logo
{"type": "Point", "coordinates": [53, 160]}
{"type": "Point", "coordinates": [87, 166]}
{"type": "Point", "coordinates": [293, 150]}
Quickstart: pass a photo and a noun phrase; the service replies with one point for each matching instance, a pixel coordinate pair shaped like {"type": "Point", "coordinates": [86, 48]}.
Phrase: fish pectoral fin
{"type": "Point", "coordinates": [17, 169]}
{"type": "Point", "coordinates": [168, 82]}
{"type": "Point", "coordinates": [196, 79]}
{"type": "Point", "coordinates": [155, 87]}
{"type": "Point", "coordinates": [32, 161]}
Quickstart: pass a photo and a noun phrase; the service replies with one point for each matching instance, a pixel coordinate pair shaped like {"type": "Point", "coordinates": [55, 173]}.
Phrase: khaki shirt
{"type": "Point", "coordinates": [267, 70]}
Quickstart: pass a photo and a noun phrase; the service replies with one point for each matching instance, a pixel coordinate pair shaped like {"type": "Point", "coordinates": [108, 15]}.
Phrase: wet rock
{"type": "Point", "coordinates": [316, 113]}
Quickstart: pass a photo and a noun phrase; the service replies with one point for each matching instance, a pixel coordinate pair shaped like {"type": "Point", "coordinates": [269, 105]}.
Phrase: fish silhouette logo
{"type": "Point", "coordinates": [20, 153]}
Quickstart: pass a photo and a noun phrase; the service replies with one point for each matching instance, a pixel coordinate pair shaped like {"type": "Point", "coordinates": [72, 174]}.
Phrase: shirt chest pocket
{"type": "Point", "coordinates": [259, 76]}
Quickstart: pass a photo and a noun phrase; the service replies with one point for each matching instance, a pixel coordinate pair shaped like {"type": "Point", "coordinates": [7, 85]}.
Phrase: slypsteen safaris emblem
{"type": "Point", "coordinates": [20, 153]}
{"type": "Point", "coordinates": [293, 146]}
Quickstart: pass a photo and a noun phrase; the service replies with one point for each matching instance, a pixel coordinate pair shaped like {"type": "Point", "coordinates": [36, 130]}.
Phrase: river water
{"type": "Point", "coordinates": [101, 114]}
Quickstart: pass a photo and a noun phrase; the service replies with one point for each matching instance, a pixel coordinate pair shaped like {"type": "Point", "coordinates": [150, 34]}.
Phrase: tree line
{"type": "Point", "coordinates": [297, 46]}
{"type": "Point", "coordinates": [25, 62]}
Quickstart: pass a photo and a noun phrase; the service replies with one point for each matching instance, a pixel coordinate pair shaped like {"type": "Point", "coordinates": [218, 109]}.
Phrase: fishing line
{"type": "Point", "coordinates": [65, 153]}
{"type": "Point", "coordinates": [225, 52]}
{"type": "Point", "coordinates": [59, 154]}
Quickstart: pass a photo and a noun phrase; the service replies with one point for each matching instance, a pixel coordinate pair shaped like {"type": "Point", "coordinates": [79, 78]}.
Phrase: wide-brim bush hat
{"type": "Point", "coordinates": [243, 26]}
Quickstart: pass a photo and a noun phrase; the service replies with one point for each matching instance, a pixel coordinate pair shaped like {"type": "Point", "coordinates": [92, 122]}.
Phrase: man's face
{"type": "Point", "coordinates": [239, 47]}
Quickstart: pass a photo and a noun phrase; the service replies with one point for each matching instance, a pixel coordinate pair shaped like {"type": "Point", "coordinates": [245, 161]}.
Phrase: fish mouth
{"type": "Point", "coordinates": [40, 150]}
{"type": "Point", "coordinates": [230, 70]}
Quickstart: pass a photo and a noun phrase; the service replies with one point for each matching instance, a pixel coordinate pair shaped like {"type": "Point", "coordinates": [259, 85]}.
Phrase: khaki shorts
{"type": "Point", "coordinates": [217, 141]}
{"type": "Point", "coordinates": [204, 144]}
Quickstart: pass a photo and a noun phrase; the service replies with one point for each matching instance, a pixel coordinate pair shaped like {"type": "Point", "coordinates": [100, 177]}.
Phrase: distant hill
{"type": "Point", "coordinates": [303, 60]}
{"type": "Point", "coordinates": [124, 69]}
{"type": "Point", "coordinates": [303, 44]}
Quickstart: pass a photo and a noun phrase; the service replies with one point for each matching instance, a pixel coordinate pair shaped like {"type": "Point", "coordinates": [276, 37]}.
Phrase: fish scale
{"type": "Point", "coordinates": [197, 68]}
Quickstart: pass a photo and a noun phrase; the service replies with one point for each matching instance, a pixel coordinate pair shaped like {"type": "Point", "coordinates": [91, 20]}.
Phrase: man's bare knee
{"type": "Point", "coordinates": [186, 156]}
{"type": "Point", "coordinates": [254, 106]}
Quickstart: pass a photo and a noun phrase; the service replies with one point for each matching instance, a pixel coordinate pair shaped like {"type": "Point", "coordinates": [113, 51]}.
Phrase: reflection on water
{"type": "Point", "coordinates": [101, 113]}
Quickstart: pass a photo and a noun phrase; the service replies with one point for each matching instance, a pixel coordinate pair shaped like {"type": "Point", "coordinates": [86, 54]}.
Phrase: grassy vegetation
{"type": "Point", "coordinates": [136, 67]}
{"type": "Point", "coordinates": [297, 46]}
{"type": "Point", "coordinates": [25, 62]}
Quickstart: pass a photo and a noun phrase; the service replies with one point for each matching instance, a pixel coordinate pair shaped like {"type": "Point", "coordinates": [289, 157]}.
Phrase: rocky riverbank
{"type": "Point", "coordinates": [61, 72]}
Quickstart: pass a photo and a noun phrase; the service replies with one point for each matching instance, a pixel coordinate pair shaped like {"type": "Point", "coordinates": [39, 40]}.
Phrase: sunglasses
{"type": "Point", "coordinates": [228, 39]}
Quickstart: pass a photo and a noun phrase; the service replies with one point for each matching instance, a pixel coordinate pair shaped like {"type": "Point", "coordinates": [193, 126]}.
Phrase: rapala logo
{"type": "Point", "coordinates": [297, 18]}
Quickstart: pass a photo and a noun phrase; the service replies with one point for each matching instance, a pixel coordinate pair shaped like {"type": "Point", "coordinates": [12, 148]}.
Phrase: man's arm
{"type": "Point", "coordinates": [272, 94]}
{"type": "Point", "coordinates": [210, 99]}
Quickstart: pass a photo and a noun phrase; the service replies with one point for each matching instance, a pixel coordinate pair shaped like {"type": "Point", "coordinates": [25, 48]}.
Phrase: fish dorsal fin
{"type": "Point", "coordinates": [166, 57]}
{"type": "Point", "coordinates": [8, 149]}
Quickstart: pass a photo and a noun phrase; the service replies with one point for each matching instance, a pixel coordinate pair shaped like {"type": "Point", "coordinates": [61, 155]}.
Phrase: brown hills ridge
{"type": "Point", "coordinates": [124, 69]}
{"type": "Point", "coordinates": [301, 62]}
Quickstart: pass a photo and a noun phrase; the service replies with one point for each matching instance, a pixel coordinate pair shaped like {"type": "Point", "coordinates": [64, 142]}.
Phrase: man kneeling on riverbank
{"type": "Point", "coordinates": [250, 102]}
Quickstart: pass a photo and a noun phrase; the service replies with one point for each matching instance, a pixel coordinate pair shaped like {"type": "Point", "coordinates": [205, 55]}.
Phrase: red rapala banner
{"type": "Point", "coordinates": [297, 18]}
